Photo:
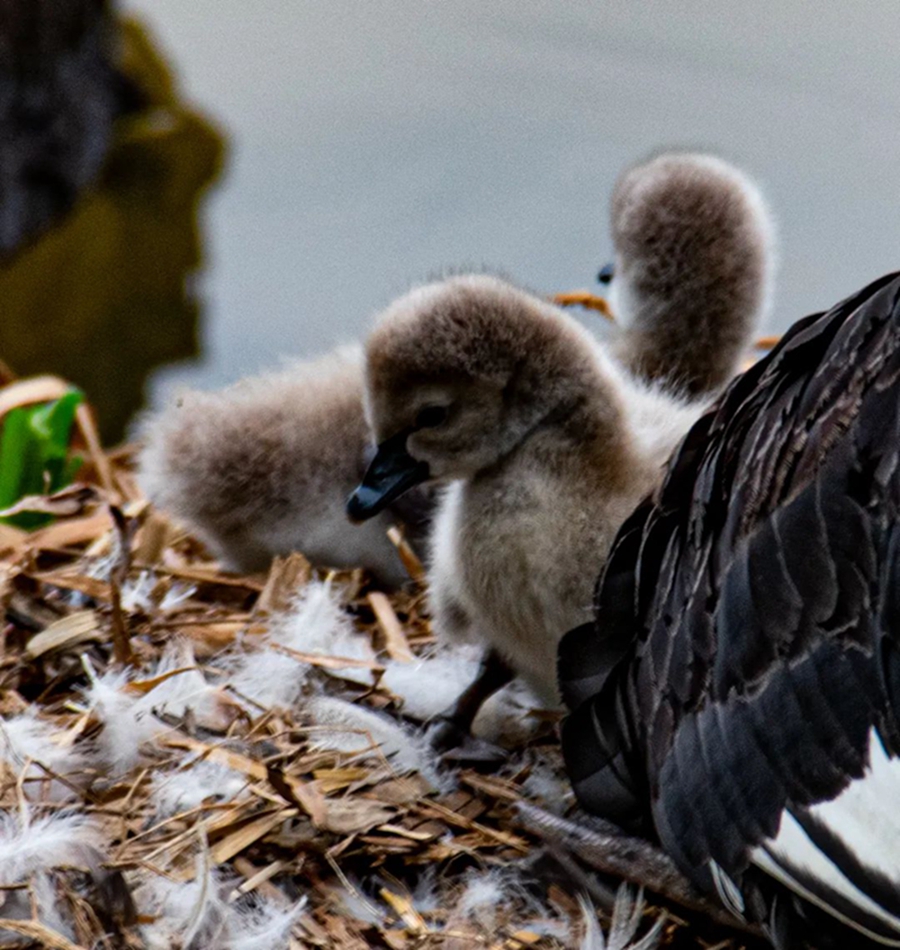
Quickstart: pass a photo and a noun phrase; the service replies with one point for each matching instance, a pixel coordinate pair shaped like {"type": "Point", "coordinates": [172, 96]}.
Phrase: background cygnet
{"type": "Point", "coordinates": [264, 467]}
{"type": "Point", "coordinates": [261, 468]}
{"type": "Point", "coordinates": [547, 446]}
{"type": "Point", "coordinates": [693, 270]}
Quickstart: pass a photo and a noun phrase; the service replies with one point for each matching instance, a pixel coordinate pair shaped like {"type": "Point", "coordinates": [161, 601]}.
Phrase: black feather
{"type": "Point", "coordinates": [754, 609]}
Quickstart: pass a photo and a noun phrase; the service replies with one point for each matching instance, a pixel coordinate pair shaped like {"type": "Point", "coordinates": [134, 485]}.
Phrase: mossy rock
{"type": "Point", "coordinates": [104, 296]}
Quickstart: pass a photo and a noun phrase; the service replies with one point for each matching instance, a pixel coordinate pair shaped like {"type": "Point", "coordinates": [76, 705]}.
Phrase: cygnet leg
{"type": "Point", "coordinates": [453, 729]}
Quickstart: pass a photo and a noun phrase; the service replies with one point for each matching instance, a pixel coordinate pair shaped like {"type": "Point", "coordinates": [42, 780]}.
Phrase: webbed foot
{"type": "Point", "coordinates": [456, 745]}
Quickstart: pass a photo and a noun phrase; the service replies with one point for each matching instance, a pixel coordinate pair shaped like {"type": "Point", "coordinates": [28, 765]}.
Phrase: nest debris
{"type": "Point", "coordinates": [326, 844]}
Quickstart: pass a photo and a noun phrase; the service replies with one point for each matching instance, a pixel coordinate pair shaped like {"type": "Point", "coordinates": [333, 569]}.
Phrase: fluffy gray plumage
{"type": "Point", "coordinates": [547, 446]}
{"type": "Point", "coordinates": [693, 272]}
{"type": "Point", "coordinates": [264, 467]}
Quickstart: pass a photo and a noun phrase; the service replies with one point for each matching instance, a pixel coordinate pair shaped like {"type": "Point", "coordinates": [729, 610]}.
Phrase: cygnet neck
{"type": "Point", "coordinates": [693, 345]}
{"type": "Point", "coordinates": [583, 432]}
{"type": "Point", "coordinates": [694, 262]}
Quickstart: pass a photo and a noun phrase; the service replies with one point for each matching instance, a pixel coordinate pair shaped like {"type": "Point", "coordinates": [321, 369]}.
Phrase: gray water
{"type": "Point", "coordinates": [376, 143]}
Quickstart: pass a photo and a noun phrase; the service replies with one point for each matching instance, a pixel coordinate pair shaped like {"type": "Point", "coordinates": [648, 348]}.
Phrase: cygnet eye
{"type": "Point", "coordinates": [431, 416]}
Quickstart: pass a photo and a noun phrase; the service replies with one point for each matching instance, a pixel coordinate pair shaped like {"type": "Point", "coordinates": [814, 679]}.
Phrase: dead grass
{"type": "Point", "coordinates": [310, 822]}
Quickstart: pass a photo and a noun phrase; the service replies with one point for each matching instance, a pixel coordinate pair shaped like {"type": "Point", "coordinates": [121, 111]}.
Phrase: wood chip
{"type": "Point", "coordinates": [517, 940]}
{"type": "Point", "coordinates": [287, 576]}
{"type": "Point", "coordinates": [87, 425]}
{"type": "Point", "coordinates": [71, 501]}
{"type": "Point", "coordinates": [408, 557]}
{"type": "Point", "coordinates": [305, 795]}
{"type": "Point", "coordinates": [89, 586]}
{"type": "Point", "coordinates": [383, 845]}
{"type": "Point", "coordinates": [211, 638]}
{"type": "Point", "coordinates": [328, 662]}
{"type": "Point", "coordinates": [151, 538]}
{"type": "Point", "coordinates": [451, 817]}
{"type": "Point", "coordinates": [345, 816]}
{"type": "Point", "coordinates": [44, 936]}
{"type": "Point", "coordinates": [396, 939]}
{"type": "Point", "coordinates": [400, 791]}
{"type": "Point", "coordinates": [214, 753]}
{"type": "Point", "coordinates": [256, 879]}
{"type": "Point", "coordinates": [333, 780]}
{"type": "Point", "coordinates": [406, 833]}
{"type": "Point", "coordinates": [143, 687]}
{"type": "Point", "coordinates": [12, 539]}
{"type": "Point", "coordinates": [64, 534]}
{"type": "Point", "coordinates": [65, 633]}
{"type": "Point", "coordinates": [405, 910]}
{"type": "Point", "coordinates": [201, 576]}
{"type": "Point", "coordinates": [492, 786]}
{"type": "Point", "coordinates": [29, 392]}
{"type": "Point", "coordinates": [241, 839]}
{"type": "Point", "coordinates": [395, 642]}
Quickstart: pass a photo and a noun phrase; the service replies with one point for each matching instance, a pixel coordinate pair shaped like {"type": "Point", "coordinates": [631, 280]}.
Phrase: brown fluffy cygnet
{"type": "Point", "coordinates": [545, 443]}
{"type": "Point", "coordinates": [264, 467]}
{"type": "Point", "coordinates": [694, 264]}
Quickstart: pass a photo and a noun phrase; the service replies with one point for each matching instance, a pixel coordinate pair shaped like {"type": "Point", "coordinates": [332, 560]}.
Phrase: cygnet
{"type": "Point", "coordinates": [263, 467]}
{"type": "Point", "coordinates": [545, 444]}
{"type": "Point", "coordinates": [693, 272]}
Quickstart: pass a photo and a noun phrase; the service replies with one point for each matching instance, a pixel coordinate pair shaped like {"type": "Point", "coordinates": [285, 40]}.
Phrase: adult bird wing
{"type": "Point", "coordinates": [754, 606]}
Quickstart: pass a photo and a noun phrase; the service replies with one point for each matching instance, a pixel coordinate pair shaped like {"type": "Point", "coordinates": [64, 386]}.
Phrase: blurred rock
{"type": "Point", "coordinates": [59, 95]}
{"type": "Point", "coordinates": [104, 295]}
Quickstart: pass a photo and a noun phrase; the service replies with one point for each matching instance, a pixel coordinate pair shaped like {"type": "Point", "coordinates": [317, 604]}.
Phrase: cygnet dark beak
{"type": "Point", "coordinates": [392, 472]}
{"type": "Point", "coordinates": [607, 272]}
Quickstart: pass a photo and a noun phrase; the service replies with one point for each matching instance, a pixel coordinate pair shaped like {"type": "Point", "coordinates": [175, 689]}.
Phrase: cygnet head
{"type": "Point", "coordinates": [694, 264]}
{"type": "Point", "coordinates": [459, 373]}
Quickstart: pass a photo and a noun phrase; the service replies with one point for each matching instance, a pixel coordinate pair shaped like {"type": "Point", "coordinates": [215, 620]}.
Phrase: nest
{"type": "Point", "coordinates": [155, 802]}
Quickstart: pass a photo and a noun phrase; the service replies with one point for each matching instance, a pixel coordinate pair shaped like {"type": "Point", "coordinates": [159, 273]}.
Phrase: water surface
{"type": "Point", "coordinates": [375, 144]}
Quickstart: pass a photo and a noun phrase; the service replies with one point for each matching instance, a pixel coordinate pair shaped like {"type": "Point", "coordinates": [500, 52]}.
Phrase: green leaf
{"type": "Point", "coordinates": [52, 426]}
{"type": "Point", "coordinates": [53, 421]}
{"type": "Point", "coordinates": [73, 466]}
{"type": "Point", "coordinates": [13, 448]}
{"type": "Point", "coordinates": [34, 454]}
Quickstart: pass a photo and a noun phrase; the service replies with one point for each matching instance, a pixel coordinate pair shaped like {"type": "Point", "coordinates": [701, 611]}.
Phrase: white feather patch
{"type": "Point", "coordinates": [137, 594]}
{"type": "Point", "coordinates": [176, 597]}
{"type": "Point", "coordinates": [858, 815]}
{"type": "Point", "coordinates": [350, 728]}
{"type": "Point", "coordinates": [28, 845]}
{"type": "Point", "coordinates": [26, 737]}
{"type": "Point", "coordinates": [862, 817]}
{"type": "Point", "coordinates": [430, 685]}
{"type": "Point", "coordinates": [130, 718]}
{"type": "Point", "coordinates": [485, 893]}
{"type": "Point", "coordinates": [729, 893]}
{"type": "Point", "coordinates": [197, 916]}
{"type": "Point", "coordinates": [491, 895]}
{"type": "Point", "coordinates": [350, 902]}
{"type": "Point", "coordinates": [548, 788]}
{"type": "Point", "coordinates": [628, 912]}
{"type": "Point", "coordinates": [194, 783]}
{"type": "Point", "coordinates": [126, 723]}
{"type": "Point", "coordinates": [29, 849]}
{"type": "Point", "coordinates": [316, 623]}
